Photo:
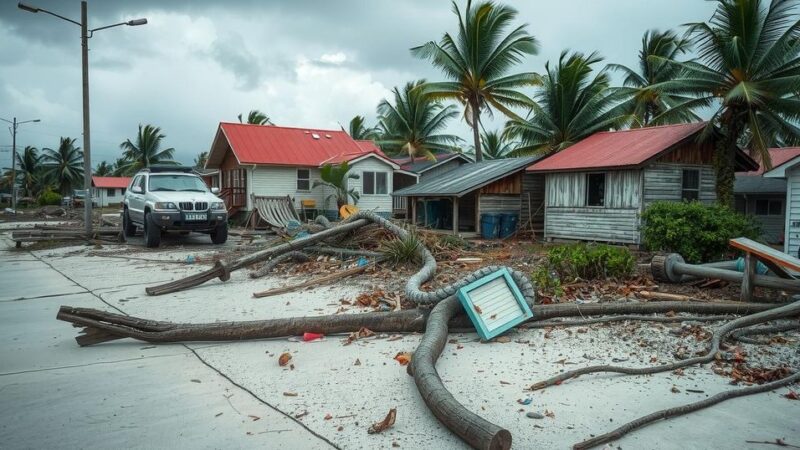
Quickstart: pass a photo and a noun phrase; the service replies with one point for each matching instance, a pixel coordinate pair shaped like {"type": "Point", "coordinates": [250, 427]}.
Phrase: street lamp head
{"type": "Point", "coordinates": [135, 22]}
{"type": "Point", "coordinates": [36, 120]}
{"type": "Point", "coordinates": [28, 8]}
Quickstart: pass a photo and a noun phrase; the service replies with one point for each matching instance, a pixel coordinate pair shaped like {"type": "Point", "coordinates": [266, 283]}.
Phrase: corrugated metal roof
{"type": "Point", "coordinates": [467, 178]}
{"type": "Point", "coordinates": [111, 182]}
{"type": "Point", "coordinates": [422, 164]}
{"type": "Point", "coordinates": [756, 184]}
{"type": "Point", "coordinates": [260, 144]}
{"type": "Point", "coordinates": [617, 149]}
{"type": "Point", "coordinates": [778, 156]}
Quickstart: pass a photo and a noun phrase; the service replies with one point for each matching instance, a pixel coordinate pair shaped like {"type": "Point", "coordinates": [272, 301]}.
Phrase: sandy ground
{"type": "Point", "coordinates": [208, 395]}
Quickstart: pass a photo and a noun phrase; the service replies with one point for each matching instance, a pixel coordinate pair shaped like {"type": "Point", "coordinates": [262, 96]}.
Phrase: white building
{"type": "Point", "coordinates": [109, 190]}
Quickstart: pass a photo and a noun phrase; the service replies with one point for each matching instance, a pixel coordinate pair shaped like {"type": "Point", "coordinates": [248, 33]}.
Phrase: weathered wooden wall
{"type": "Point", "coordinates": [568, 217]}
{"type": "Point", "coordinates": [511, 184]}
{"type": "Point", "coordinates": [499, 203]}
{"type": "Point", "coordinates": [772, 226]}
{"type": "Point", "coordinates": [689, 153]}
{"type": "Point", "coordinates": [664, 181]}
{"type": "Point", "coordinates": [532, 199]}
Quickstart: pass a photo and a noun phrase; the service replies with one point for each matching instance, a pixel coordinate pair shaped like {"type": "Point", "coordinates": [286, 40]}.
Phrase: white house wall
{"type": "Point", "coordinates": [382, 203]}
{"type": "Point", "coordinates": [276, 181]}
{"type": "Point", "coordinates": [792, 242]}
{"type": "Point", "coordinates": [104, 199]}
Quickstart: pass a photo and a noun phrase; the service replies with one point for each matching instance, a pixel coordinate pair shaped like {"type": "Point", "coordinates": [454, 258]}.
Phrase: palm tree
{"type": "Point", "coordinates": [103, 169]}
{"type": "Point", "coordinates": [495, 145]}
{"type": "Point", "coordinates": [120, 168]}
{"type": "Point", "coordinates": [413, 124]}
{"type": "Point", "coordinates": [649, 101]}
{"type": "Point", "coordinates": [256, 117]}
{"type": "Point", "coordinates": [748, 69]}
{"type": "Point", "coordinates": [359, 131]}
{"type": "Point", "coordinates": [200, 160]}
{"type": "Point", "coordinates": [63, 166]}
{"type": "Point", "coordinates": [477, 61]}
{"type": "Point", "coordinates": [146, 151]}
{"type": "Point", "coordinates": [335, 177]}
{"type": "Point", "coordinates": [27, 170]}
{"type": "Point", "coordinates": [570, 105]}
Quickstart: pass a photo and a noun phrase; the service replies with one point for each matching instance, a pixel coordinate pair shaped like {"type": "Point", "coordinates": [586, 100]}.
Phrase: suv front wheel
{"type": "Point", "coordinates": [152, 234]}
{"type": "Point", "coordinates": [219, 234]}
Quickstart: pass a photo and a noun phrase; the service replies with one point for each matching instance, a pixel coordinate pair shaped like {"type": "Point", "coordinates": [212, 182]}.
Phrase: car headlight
{"type": "Point", "coordinates": [217, 205]}
{"type": "Point", "coordinates": [165, 205]}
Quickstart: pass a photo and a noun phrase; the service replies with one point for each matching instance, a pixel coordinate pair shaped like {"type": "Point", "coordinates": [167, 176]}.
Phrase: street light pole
{"type": "Point", "coordinates": [86, 33]}
{"type": "Point", "coordinates": [14, 125]}
{"type": "Point", "coordinates": [87, 142]}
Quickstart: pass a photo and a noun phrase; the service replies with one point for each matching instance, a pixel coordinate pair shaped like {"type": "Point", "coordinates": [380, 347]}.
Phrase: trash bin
{"type": "Point", "coordinates": [508, 224]}
{"type": "Point", "coordinates": [761, 269]}
{"type": "Point", "coordinates": [490, 226]}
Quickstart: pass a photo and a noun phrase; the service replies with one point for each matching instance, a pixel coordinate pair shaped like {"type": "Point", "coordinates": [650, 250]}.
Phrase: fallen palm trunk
{"type": "Point", "coordinates": [223, 270]}
{"type": "Point", "coordinates": [296, 256]}
{"type": "Point", "coordinates": [117, 326]}
{"type": "Point", "coordinates": [316, 281]}
{"type": "Point", "coordinates": [473, 429]}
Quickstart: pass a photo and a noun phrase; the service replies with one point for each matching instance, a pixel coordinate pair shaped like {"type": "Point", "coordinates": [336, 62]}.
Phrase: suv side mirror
{"type": "Point", "coordinates": [215, 190]}
{"type": "Point", "coordinates": [136, 189]}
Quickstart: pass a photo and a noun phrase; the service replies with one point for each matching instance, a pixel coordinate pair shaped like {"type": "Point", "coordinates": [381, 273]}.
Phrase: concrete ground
{"type": "Point", "coordinates": [130, 394]}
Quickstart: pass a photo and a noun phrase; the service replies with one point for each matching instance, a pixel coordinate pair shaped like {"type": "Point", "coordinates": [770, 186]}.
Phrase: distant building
{"type": "Point", "coordinates": [109, 190]}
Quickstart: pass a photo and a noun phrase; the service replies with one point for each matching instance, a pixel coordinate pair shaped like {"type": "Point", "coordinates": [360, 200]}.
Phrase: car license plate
{"type": "Point", "coordinates": [195, 217]}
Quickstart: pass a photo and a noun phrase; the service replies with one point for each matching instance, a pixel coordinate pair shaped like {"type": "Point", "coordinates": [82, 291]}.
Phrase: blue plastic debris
{"type": "Point", "coordinates": [190, 259]}
{"type": "Point", "coordinates": [362, 261]}
{"type": "Point", "coordinates": [494, 304]}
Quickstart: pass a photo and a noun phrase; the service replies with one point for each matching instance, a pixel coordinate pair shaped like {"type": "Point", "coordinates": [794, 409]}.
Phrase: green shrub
{"type": "Point", "coordinates": [700, 233]}
{"type": "Point", "coordinates": [49, 197]}
{"type": "Point", "coordinates": [581, 260]}
{"type": "Point", "coordinates": [402, 250]}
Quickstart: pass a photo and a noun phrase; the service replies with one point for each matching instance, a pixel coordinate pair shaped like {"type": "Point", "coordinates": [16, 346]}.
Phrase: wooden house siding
{"type": "Point", "coordinates": [499, 203]}
{"type": "Point", "coordinates": [511, 184]}
{"type": "Point", "coordinates": [568, 217]}
{"type": "Point", "coordinates": [792, 241]}
{"type": "Point", "coordinates": [532, 202]}
{"type": "Point", "coordinates": [663, 182]}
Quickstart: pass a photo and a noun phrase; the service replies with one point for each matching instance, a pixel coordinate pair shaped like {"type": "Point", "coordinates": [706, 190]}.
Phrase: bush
{"type": "Point", "coordinates": [402, 250]}
{"type": "Point", "coordinates": [582, 260]}
{"type": "Point", "coordinates": [49, 197]}
{"type": "Point", "coordinates": [700, 233]}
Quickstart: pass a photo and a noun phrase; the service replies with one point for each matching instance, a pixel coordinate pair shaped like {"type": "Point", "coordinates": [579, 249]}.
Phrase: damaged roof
{"type": "Point", "coordinates": [467, 178]}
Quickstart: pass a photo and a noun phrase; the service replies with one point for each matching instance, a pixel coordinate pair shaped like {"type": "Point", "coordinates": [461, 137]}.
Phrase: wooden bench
{"type": "Point", "coordinates": [777, 261]}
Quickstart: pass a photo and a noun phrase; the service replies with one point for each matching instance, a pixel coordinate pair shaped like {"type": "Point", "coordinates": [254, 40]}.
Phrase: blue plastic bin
{"type": "Point", "coordinates": [508, 224]}
{"type": "Point", "coordinates": [490, 226]}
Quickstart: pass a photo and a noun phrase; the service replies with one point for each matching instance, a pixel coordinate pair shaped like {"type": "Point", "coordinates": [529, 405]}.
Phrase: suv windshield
{"type": "Point", "coordinates": [177, 183]}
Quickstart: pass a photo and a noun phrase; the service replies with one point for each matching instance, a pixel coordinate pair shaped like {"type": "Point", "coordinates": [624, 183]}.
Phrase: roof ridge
{"type": "Point", "coordinates": [653, 127]}
{"type": "Point", "coordinates": [289, 128]}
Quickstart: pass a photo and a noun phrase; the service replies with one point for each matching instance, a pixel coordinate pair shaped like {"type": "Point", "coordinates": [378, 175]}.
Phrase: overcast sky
{"type": "Point", "coordinates": [304, 63]}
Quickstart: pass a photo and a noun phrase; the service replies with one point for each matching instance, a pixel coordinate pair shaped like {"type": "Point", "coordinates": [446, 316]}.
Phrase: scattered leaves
{"type": "Point", "coordinates": [403, 358]}
{"type": "Point", "coordinates": [385, 424]}
{"type": "Point", "coordinates": [290, 394]}
{"type": "Point", "coordinates": [792, 395]}
{"type": "Point", "coordinates": [364, 332]}
{"type": "Point", "coordinates": [328, 416]}
{"type": "Point", "coordinates": [284, 359]}
{"type": "Point", "coordinates": [478, 309]}
{"type": "Point", "coordinates": [254, 417]}
{"type": "Point", "coordinates": [357, 363]}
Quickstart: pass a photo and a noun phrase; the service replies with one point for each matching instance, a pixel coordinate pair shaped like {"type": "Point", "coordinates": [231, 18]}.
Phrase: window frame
{"type": "Point", "coordinates": [111, 192]}
{"type": "Point", "coordinates": [684, 189]}
{"type": "Point", "coordinates": [768, 212]}
{"type": "Point", "coordinates": [588, 187]}
{"type": "Point", "coordinates": [373, 175]}
{"type": "Point", "coordinates": [298, 179]}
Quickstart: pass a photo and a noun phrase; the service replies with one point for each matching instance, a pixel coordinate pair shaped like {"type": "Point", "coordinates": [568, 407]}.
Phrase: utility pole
{"type": "Point", "coordinates": [14, 125]}
{"type": "Point", "coordinates": [87, 141]}
{"type": "Point", "coordinates": [86, 34]}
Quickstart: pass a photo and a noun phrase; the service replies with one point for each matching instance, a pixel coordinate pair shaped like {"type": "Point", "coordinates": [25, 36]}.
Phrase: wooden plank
{"type": "Point", "coordinates": [766, 254]}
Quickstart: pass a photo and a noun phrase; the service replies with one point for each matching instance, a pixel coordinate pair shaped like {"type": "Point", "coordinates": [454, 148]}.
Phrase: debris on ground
{"type": "Point", "coordinates": [385, 424]}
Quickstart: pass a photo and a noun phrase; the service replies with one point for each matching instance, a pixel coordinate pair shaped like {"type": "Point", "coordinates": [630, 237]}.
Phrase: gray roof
{"type": "Point", "coordinates": [467, 178]}
{"type": "Point", "coordinates": [757, 184]}
{"type": "Point", "coordinates": [421, 165]}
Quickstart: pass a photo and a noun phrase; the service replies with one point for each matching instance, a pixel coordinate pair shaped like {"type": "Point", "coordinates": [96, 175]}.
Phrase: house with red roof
{"type": "Point", "coordinates": [597, 189]}
{"type": "Point", "coordinates": [764, 198]}
{"type": "Point", "coordinates": [272, 161]}
{"type": "Point", "coordinates": [109, 190]}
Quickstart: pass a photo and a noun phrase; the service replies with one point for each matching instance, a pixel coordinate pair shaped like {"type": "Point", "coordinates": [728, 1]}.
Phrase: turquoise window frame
{"type": "Point", "coordinates": [477, 319]}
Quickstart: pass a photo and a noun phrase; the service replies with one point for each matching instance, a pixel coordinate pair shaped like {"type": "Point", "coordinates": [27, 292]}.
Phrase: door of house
{"type": "Point", "coordinates": [234, 184]}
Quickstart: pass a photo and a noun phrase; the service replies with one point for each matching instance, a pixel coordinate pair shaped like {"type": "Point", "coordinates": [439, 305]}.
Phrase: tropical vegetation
{"type": "Point", "coordinates": [145, 150]}
{"type": "Point", "coordinates": [495, 145]}
{"type": "Point", "coordinates": [414, 125]}
{"type": "Point", "coordinates": [63, 167]}
{"type": "Point", "coordinates": [573, 102]}
{"type": "Point", "coordinates": [200, 159]}
{"type": "Point", "coordinates": [104, 169]}
{"type": "Point", "coordinates": [477, 61]}
{"type": "Point", "coordinates": [335, 176]}
{"type": "Point", "coordinates": [256, 117]}
{"type": "Point", "coordinates": [358, 129]}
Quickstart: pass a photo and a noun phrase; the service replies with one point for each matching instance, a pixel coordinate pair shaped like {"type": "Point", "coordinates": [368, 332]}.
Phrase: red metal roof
{"type": "Point", "coordinates": [609, 149]}
{"type": "Point", "coordinates": [779, 156]}
{"type": "Point", "coordinates": [111, 182]}
{"type": "Point", "coordinates": [260, 144]}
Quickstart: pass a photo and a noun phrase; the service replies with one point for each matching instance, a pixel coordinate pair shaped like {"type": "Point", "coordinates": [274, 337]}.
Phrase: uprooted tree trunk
{"type": "Point", "coordinates": [101, 326]}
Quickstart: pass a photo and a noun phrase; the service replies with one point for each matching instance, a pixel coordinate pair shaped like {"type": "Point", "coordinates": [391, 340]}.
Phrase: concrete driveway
{"type": "Point", "coordinates": [129, 394]}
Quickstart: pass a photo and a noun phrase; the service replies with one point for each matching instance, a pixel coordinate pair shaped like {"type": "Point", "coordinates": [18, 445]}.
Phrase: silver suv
{"type": "Point", "coordinates": [161, 199]}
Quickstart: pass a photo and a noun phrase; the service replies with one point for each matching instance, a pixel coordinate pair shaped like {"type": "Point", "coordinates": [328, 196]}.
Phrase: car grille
{"type": "Point", "coordinates": [197, 206]}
